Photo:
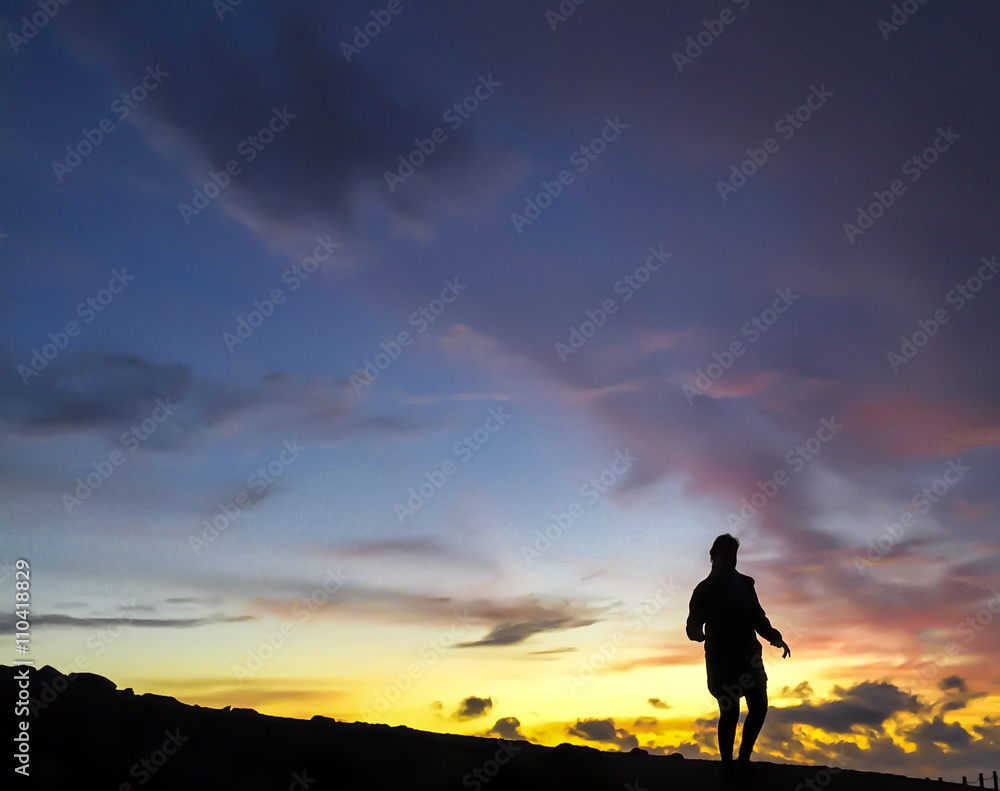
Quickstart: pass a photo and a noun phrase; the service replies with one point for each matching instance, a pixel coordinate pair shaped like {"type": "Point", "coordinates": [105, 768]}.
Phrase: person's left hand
{"type": "Point", "coordinates": [784, 645]}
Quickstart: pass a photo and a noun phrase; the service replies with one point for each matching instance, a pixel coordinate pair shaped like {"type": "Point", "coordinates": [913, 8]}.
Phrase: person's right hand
{"type": "Point", "coordinates": [784, 645]}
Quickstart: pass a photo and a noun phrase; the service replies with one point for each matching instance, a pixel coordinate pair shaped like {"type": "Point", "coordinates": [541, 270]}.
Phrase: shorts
{"type": "Point", "coordinates": [734, 676]}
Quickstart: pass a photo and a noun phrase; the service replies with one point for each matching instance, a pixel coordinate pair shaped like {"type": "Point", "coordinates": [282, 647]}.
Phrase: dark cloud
{"type": "Point", "coordinates": [868, 704]}
{"type": "Point", "coordinates": [92, 392]}
{"type": "Point", "coordinates": [957, 694]}
{"type": "Point", "coordinates": [412, 548]}
{"type": "Point", "coordinates": [517, 632]}
{"type": "Point", "coordinates": [508, 620]}
{"type": "Point", "coordinates": [249, 497]}
{"type": "Point", "coordinates": [148, 623]}
{"type": "Point", "coordinates": [507, 728]}
{"type": "Point", "coordinates": [803, 691]}
{"type": "Point", "coordinates": [656, 703]}
{"type": "Point", "coordinates": [472, 707]}
{"type": "Point", "coordinates": [193, 600]}
{"type": "Point", "coordinates": [115, 393]}
{"type": "Point", "coordinates": [942, 748]}
{"type": "Point", "coordinates": [350, 123]}
{"type": "Point", "coordinates": [937, 731]}
{"type": "Point", "coordinates": [421, 546]}
{"type": "Point", "coordinates": [603, 731]}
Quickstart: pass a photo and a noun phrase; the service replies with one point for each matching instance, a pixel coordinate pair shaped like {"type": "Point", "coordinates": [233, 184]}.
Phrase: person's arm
{"type": "Point", "coordinates": [762, 625]}
{"type": "Point", "coordinates": [696, 619]}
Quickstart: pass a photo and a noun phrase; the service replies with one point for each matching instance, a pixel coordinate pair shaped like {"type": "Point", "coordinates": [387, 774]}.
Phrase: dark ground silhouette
{"type": "Point", "coordinates": [93, 736]}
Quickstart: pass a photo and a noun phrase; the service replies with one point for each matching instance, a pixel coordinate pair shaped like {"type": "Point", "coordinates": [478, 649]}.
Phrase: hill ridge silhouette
{"type": "Point", "coordinates": [87, 733]}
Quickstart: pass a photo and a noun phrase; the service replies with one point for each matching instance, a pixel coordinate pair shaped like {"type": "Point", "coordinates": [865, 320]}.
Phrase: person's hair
{"type": "Point", "coordinates": [723, 542]}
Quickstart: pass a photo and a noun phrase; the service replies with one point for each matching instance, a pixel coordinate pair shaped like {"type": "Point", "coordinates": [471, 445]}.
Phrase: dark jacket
{"type": "Point", "coordinates": [726, 614]}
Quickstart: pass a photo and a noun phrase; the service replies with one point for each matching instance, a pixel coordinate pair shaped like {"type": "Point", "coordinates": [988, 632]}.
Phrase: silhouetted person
{"type": "Point", "coordinates": [727, 616]}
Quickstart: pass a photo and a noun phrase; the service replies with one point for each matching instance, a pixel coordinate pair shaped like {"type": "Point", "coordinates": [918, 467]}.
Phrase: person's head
{"type": "Point", "coordinates": [723, 552]}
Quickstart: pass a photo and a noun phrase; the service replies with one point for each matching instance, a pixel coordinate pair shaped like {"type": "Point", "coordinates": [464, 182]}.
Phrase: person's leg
{"type": "Point", "coordinates": [756, 712]}
{"type": "Point", "coordinates": [729, 716]}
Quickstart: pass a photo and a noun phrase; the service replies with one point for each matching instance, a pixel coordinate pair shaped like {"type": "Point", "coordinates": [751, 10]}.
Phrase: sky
{"type": "Point", "coordinates": [400, 362]}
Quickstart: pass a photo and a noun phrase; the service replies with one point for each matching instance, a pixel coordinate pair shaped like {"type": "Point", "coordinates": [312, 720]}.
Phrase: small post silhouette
{"type": "Point", "coordinates": [996, 786]}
